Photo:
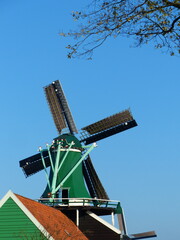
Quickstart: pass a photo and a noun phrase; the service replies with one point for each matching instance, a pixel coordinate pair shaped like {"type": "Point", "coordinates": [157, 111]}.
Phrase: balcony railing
{"type": "Point", "coordinates": [92, 202]}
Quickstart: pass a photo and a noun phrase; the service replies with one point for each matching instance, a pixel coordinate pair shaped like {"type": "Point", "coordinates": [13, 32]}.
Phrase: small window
{"type": "Point", "coordinates": [65, 194]}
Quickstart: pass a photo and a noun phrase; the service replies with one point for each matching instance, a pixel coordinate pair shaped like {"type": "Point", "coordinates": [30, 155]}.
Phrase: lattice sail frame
{"type": "Point", "coordinates": [107, 127]}
{"type": "Point", "coordinates": [59, 107]}
{"type": "Point", "coordinates": [109, 122]}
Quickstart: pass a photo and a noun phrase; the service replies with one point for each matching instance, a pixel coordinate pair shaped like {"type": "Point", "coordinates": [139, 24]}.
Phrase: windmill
{"type": "Point", "coordinates": [72, 176]}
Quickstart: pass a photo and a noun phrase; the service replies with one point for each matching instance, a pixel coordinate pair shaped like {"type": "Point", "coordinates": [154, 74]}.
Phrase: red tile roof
{"type": "Point", "coordinates": [54, 221]}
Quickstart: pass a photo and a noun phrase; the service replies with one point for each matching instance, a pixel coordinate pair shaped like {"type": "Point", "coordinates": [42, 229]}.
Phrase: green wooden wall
{"type": "Point", "coordinates": [15, 225]}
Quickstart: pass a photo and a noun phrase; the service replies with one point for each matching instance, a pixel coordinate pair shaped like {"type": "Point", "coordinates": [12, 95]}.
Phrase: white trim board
{"type": "Point", "coordinates": [93, 215]}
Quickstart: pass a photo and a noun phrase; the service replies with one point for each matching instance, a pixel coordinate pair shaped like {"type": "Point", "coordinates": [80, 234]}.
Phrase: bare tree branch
{"type": "Point", "coordinates": [144, 20]}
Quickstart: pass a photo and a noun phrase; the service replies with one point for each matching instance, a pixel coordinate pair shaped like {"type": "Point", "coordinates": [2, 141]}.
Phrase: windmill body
{"type": "Point", "coordinates": [66, 157]}
{"type": "Point", "coordinates": [73, 185]}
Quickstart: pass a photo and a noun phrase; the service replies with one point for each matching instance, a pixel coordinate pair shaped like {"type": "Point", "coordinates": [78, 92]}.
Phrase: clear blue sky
{"type": "Point", "coordinates": [139, 167]}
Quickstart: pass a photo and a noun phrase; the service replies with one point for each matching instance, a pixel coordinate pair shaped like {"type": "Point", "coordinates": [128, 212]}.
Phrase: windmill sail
{"type": "Point", "coordinates": [143, 235]}
{"type": "Point", "coordinates": [34, 164]}
{"type": "Point", "coordinates": [59, 107]}
{"type": "Point", "coordinates": [108, 126]}
{"type": "Point", "coordinates": [93, 182]}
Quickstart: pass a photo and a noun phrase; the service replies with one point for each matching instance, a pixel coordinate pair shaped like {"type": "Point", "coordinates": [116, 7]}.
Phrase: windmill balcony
{"type": "Point", "coordinates": [82, 202]}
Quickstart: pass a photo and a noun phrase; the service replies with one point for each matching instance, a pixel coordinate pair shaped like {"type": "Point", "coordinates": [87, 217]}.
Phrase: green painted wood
{"type": "Point", "coordinates": [75, 183]}
{"type": "Point", "coordinates": [15, 225]}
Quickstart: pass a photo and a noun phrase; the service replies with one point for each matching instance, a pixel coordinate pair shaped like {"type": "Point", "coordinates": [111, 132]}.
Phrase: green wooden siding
{"type": "Point", "coordinates": [75, 182]}
{"type": "Point", "coordinates": [15, 225]}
